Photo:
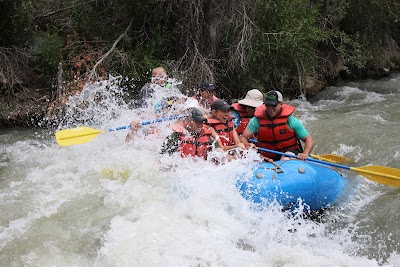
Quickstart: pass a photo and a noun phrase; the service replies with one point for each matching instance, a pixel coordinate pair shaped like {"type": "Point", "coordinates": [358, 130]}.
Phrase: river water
{"type": "Point", "coordinates": [112, 203]}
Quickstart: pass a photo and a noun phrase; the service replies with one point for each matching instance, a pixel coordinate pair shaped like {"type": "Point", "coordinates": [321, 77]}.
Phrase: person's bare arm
{"type": "Point", "coordinates": [308, 147]}
{"type": "Point", "coordinates": [216, 137]}
{"type": "Point", "coordinates": [236, 138]}
{"type": "Point", "coordinates": [236, 141]}
{"type": "Point", "coordinates": [134, 127]}
{"type": "Point", "coordinates": [244, 138]}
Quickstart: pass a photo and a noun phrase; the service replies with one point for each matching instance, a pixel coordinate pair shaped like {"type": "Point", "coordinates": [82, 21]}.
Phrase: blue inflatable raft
{"type": "Point", "coordinates": [316, 185]}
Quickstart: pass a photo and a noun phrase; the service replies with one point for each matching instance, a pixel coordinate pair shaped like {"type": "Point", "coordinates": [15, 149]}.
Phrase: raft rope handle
{"type": "Point", "coordinates": [271, 161]}
{"type": "Point", "coordinates": [274, 175]}
{"type": "Point", "coordinates": [278, 167]}
{"type": "Point", "coordinates": [276, 170]}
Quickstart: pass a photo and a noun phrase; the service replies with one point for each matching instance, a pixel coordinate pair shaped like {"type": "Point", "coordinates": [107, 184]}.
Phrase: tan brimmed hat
{"type": "Point", "coordinates": [253, 98]}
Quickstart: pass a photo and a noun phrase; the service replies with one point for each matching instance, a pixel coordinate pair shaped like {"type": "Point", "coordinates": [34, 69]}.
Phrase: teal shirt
{"type": "Point", "coordinates": [293, 123]}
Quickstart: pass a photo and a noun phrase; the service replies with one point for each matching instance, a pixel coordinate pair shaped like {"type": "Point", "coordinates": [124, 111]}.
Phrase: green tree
{"type": "Point", "coordinates": [46, 57]}
{"type": "Point", "coordinates": [374, 26]}
{"type": "Point", "coordinates": [16, 18]}
{"type": "Point", "coordinates": [283, 50]}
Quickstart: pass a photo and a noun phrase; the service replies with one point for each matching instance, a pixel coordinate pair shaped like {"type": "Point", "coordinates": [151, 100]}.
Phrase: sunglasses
{"type": "Point", "coordinates": [159, 78]}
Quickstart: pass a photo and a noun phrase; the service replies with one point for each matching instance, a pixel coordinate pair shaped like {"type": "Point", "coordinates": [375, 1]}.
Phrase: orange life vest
{"type": "Point", "coordinates": [244, 117]}
{"type": "Point", "coordinates": [196, 145]}
{"type": "Point", "coordinates": [224, 130]}
{"type": "Point", "coordinates": [275, 134]}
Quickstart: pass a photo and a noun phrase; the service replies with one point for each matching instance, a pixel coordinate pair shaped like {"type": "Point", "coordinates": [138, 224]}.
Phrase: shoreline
{"type": "Point", "coordinates": [31, 108]}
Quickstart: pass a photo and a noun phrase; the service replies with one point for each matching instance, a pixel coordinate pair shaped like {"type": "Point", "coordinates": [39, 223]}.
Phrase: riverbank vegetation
{"type": "Point", "coordinates": [50, 48]}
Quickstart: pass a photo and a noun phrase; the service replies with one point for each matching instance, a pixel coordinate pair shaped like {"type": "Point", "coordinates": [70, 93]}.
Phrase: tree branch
{"type": "Point", "coordinates": [93, 73]}
{"type": "Point", "coordinates": [61, 10]}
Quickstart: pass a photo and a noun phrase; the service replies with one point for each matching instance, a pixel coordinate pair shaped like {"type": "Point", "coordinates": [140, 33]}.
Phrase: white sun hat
{"type": "Point", "coordinates": [253, 98]}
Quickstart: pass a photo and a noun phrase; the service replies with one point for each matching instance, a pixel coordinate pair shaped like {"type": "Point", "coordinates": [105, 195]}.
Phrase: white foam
{"type": "Point", "coordinates": [58, 208]}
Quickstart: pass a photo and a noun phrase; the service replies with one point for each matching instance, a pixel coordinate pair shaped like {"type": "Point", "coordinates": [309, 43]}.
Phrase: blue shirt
{"type": "Point", "coordinates": [237, 119]}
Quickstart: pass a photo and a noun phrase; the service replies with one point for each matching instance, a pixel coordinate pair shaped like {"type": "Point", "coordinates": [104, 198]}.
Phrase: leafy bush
{"type": "Point", "coordinates": [284, 46]}
{"type": "Point", "coordinates": [16, 18]}
{"type": "Point", "coordinates": [47, 54]}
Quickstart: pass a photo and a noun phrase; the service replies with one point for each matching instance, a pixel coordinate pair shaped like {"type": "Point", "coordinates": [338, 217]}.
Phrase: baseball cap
{"type": "Point", "coordinates": [196, 115]}
{"type": "Point", "coordinates": [220, 104]}
{"type": "Point", "coordinates": [273, 98]}
{"type": "Point", "coordinates": [207, 86]}
{"type": "Point", "coordinates": [253, 98]}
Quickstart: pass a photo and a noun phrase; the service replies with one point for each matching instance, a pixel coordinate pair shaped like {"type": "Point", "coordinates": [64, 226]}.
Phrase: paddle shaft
{"type": "Point", "coordinates": [324, 157]}
{"type": "Point", "coordinates": [329, 163]}
{"type": "Point", "coordinates": [81, 135]}
{"type": "Point", "coordinates": [123, 127]}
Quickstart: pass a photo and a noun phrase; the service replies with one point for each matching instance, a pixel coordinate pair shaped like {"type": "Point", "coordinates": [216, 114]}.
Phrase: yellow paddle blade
{"type": "Point", "coordinates": [331, 158]}
{"type": "Point", "coordinates": [380, 174]}
{"type": "Point", "coordinates": [76, 136]}
{"type": "Point", "coordinates": [113, 174]}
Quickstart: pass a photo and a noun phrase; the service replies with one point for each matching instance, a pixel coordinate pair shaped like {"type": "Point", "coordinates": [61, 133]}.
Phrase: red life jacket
{"type": "Point", "coordinates": [194, 145]}
{"type": "Point", "coordinates": [275, 134]}
{"type": "Point", "coordinates": [244, 117]}
{"type": "Point", "coordinates": [224, 130]}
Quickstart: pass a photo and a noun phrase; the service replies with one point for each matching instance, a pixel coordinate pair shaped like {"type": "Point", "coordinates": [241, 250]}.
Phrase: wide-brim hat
{"type": "Point", "coordinates": [253, 98]}
{"type": "Point", "coordinates": [273, 98]}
